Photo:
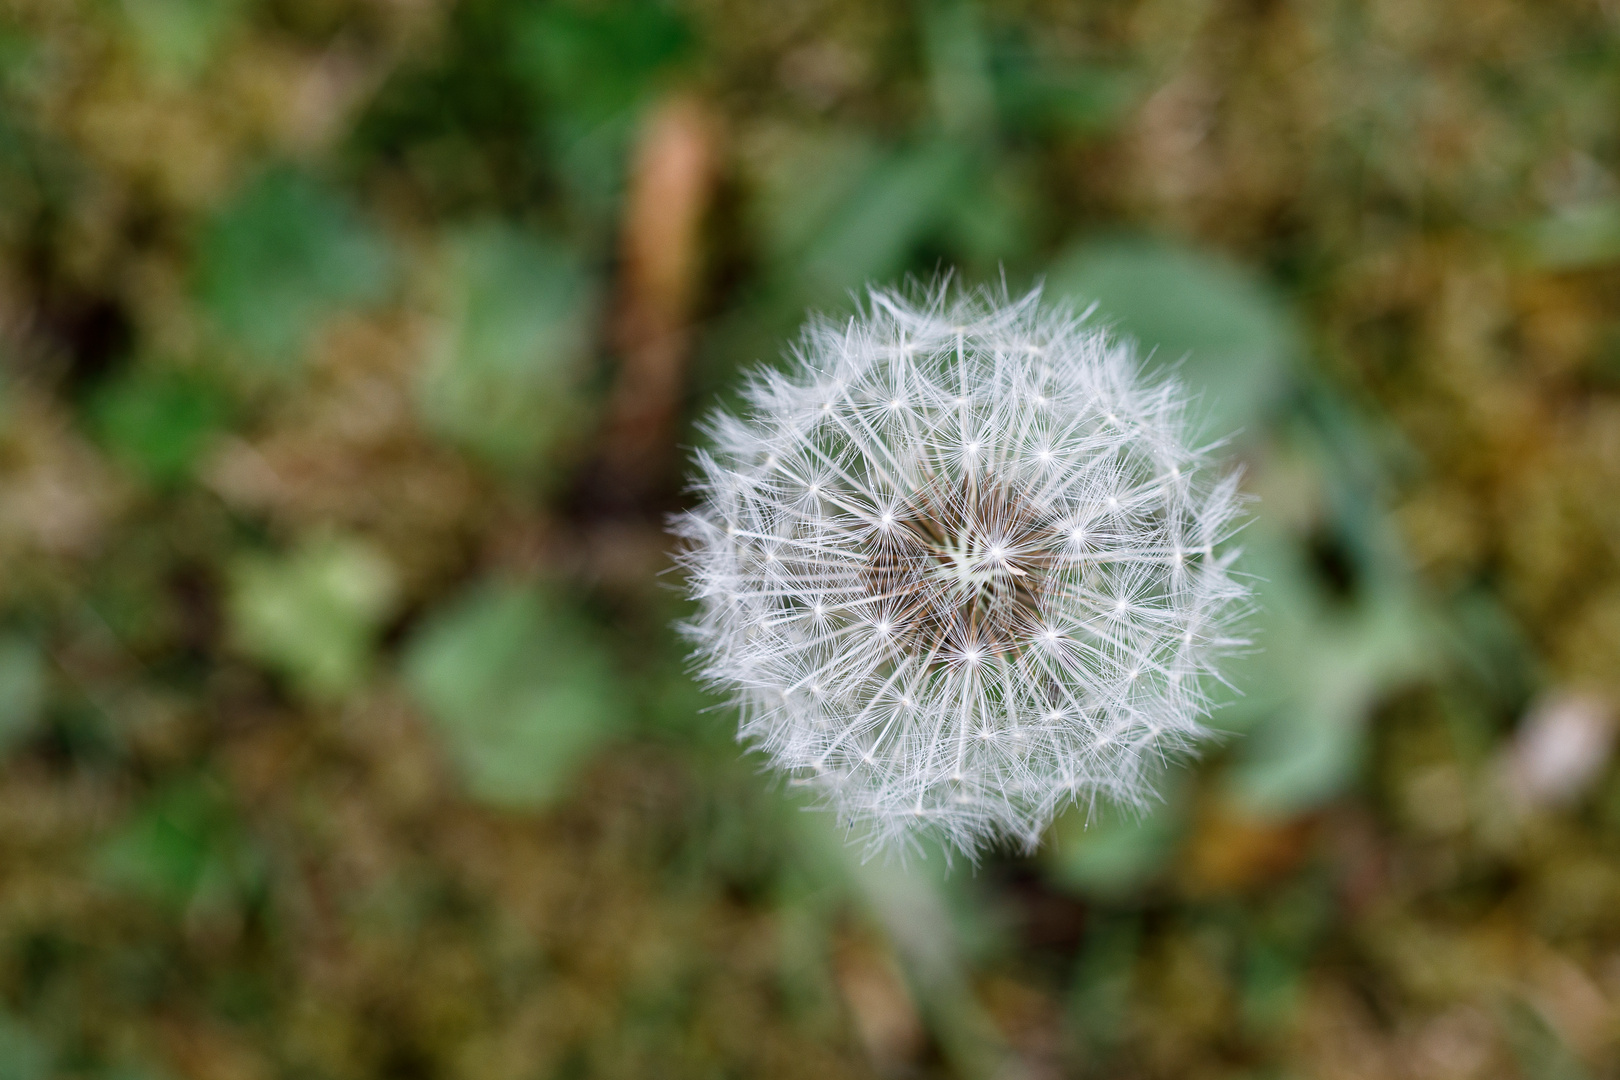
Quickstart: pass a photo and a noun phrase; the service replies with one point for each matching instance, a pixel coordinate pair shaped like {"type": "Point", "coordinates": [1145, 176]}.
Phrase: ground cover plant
{"type": "Point", "coordinates": [351, 352]}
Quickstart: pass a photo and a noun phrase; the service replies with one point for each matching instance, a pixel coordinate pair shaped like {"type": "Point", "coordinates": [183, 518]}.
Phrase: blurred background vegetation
{"type": "Point", "coordinates": [347, 351]}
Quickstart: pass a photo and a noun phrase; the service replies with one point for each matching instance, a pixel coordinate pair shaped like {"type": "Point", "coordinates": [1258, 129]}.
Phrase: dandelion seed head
{"type": "Point", "coordinates": [944, 638]}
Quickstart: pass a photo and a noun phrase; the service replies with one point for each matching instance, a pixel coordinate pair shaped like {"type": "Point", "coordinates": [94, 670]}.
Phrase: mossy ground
{"type": "Point", "coordinates": [349, 347]}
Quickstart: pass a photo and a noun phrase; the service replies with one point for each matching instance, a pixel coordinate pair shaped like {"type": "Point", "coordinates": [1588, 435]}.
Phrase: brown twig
{"type": "Point", "coordinates": [671, 184]}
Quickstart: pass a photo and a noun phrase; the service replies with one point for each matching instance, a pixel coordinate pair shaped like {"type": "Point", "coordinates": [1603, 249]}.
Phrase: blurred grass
{"type": "Point", "coordinates": [347, 348]}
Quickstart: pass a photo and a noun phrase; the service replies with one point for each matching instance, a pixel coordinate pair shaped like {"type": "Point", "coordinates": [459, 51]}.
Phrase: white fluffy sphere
{"type": "Point", "coordinates": [960, 568]}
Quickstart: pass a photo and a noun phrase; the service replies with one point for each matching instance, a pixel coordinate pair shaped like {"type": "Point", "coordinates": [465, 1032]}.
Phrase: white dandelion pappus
{"type": "Point", "coordinates": [959, 568]}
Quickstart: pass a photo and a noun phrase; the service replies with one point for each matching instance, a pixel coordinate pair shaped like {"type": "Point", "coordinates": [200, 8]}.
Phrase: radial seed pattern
{"type": "Point", "coordinates": [960, 569]}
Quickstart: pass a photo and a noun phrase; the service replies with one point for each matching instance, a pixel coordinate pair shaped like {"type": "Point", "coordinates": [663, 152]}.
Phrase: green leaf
{"type": "Point", "coordinates": [177, 38]}
{"type": "Point", "coordinates": [285, 255]}
{"type": "Point", "coordinates": [157, 421]}
{"type": "Point", "coordinates": [871, 234]}
{"type": "Point", "coordinates": [22, 690]}
{"type": "Point", "coordinates": [991, 218]}
{"type": "Point", "coordinates": [519, 692]}
{"type": "Point", "coordinates": [1313, 687]}
{"type": "Point", "coordinates": [313, 614]}
{"type": "Point", "coordinates": [184, 849]}
{"type": "Point", "coordinates": [836, 211]}
{"type": "Point", "coordinates": [502, 379]}
{"type": "Point", "coordinates": [958, 67]}
{"type": "Point", "coordinates": [1235, 335]}
{"type": "Point", "coordinates": [23, 1055]}
{"type": "Point", "coordinates": [1322, 662]}
{"type": "Point", "coordinates": [593, 67]}
{"type": "Point", "coordinates": [1047, 97]}
{"type": "Point", "coordinates": [598, 61]}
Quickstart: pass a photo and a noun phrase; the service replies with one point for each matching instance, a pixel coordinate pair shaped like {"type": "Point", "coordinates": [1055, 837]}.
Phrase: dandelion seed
{"type": "Point", "coordinates": [907, 699]}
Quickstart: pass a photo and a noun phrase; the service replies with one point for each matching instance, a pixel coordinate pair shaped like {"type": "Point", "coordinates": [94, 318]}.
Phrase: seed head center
{"type": "Point", "coordinates": [965, 573]}
{"type": "Point", "coordinates": [971, 562]}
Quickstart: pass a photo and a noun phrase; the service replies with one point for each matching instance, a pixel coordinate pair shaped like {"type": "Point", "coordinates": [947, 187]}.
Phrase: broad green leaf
{"type": "Point", "coordinates": [22, 689]}
{"type": "Point", "coordinates": [502, 379]}
{"type": "Point", "coordinates": [1313, 684]}
{"type": "Point", "coordinates": [158, 422]}
{"type": "Point", "coordinates": [1227, 337]}
{"type": "Point", "coordinates": [597, 61]}
{"type": "Point", "coordinates": [517, 689]}
{"type": "Point", "coordinates": [285, 255]}
{"type": "Point", "coordinates": [1047, 95]}
{"type": "Point", "coordinates": [990, 218]}
{"type": "Point", "coordinates": [23, 1055]}
{"type": "Point", "coordinates": [1084, 100]}
{"type": "Point", "coordinates": [184, 848]}
{"type": "Point", "coordinates": [313, 614]}
{"type": "Point", "coordinates": [593, 67]}
{"type": "Point", "coordinates": [958, 67]}
{"type": "Point", "coordinates": [871, 234]}
{"type": "Point", "coordinates": [177, 38]}
{"type": "Point", "coordinates": [1322, 660]}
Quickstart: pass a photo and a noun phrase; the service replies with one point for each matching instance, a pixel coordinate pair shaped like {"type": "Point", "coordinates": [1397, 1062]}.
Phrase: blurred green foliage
{"type": "Point", "coordinates": [158, 422]}
{"type": "Point", "coordinates": [312, 613]}
{"type": "Point", "coordinates": [504, 379]}
{"type": "Point", "coordinates": [177, 38]}
{"type": "Point", "coordinates": [595, 63]}
{"type": "Point", "coordinates": [182, 849]}
{"type": "Point", "coordinates": [1112, 852]}
{"type": "Point", "coordinates": [22, 689]}
{"type": "Point", "coordinates": [22, 1055]}
{"type": "Point", "coordinates": [343, 733]}
{"type": "Point", "coordinates": [1224, 334]}
{"type": "Point", "coordinates": [285, 254]}
{"type": "Point", "coordinates": [520, 691]}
